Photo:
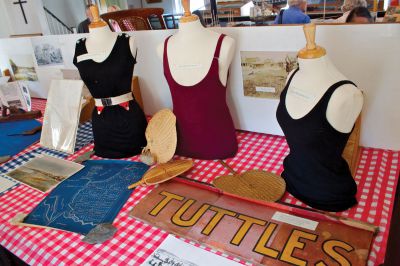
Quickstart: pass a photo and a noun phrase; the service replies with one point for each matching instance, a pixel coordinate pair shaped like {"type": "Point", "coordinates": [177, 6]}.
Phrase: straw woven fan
{"type": "Point", "coordinates": [161, 138]}
{"type": "Point", "coordinates": [253, 184]}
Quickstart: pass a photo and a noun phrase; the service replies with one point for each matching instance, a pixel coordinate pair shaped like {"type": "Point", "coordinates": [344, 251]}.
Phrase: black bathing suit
{"type": "Point", "coordinates": [118, 132]}
{"type": "Point", "coordinates": [315, 171]}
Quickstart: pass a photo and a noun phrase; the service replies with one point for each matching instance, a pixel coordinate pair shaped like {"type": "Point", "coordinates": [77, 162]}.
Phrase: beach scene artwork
{"type": "Point", "coordinates": [44, 172]}
{"type": "Point", "coordinates": [264, 73]}
{"type": "Point", "coordinates": [23, 67]}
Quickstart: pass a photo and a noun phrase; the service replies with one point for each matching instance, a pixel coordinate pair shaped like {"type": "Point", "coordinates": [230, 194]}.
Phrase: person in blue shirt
{"type": "Point", "coordinates": [294, 14]}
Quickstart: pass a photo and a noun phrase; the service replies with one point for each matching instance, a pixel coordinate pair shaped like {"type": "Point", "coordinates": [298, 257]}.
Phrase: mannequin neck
{"type": "Point", "coordinates": [100, 40]}
{"type": "Point", "coordinates": [100, 34]}
{"type": "Point", "coordinates": [192, 29]}
{"type": "Point", "coordinates": [320, 70]}
{"type": "Point", "coordinates": [315, 66]}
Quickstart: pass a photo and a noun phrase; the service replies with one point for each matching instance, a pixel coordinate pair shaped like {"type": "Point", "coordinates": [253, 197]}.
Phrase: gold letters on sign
{"type": "Point", "coordinates": [270, 234]}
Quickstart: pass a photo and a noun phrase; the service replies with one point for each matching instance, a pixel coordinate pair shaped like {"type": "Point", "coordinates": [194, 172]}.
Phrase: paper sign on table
{"type": "Point", "coordinates": [6, 183]}
{"type": "Point", "coordinates": [173, 251]}
{"type": "Point", "coordinates": [16, 94]}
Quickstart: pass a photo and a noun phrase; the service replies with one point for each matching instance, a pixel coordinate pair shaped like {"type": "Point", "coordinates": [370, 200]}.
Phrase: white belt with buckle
{"type": "Point", "coordinates": [102, 102]}
{"type": "Point", "coordinates": [122, 100]}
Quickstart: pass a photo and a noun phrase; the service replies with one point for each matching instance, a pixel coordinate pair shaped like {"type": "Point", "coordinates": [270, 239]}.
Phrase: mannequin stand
{"type": "Point", "coordinates": [351, 152]}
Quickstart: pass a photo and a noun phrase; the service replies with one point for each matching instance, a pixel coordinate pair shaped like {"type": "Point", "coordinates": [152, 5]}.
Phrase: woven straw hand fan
{"type": "Point", "coordinates": [161, 138]}
{"type": "Point", "coordinates": [253, 184]}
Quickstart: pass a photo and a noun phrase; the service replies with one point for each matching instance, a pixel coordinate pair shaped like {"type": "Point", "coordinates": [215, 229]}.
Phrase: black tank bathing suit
{"type": "Point", "coordinates": [118, 132]}
{"type": "Point", "coordinates": [315, 171]}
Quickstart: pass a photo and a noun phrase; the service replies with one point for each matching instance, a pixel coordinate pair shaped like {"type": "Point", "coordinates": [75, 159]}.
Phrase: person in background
{"type": "Point", "coordinates": [83, 27]}
{"type": "Point", "coordinates": [294, 14]}
{"type": "Point", "coordinates": [359, 15]}
{"type": "Point", "coordinates": [113, 24]}
{"type": "Point", "coordinates": [349, 5]}
{"type": "Point", "coordinates": [113, 8]}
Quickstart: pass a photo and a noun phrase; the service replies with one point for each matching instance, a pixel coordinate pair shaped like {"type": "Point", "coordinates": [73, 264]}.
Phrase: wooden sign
{"type": "Point", "coordinates": [269, 234]}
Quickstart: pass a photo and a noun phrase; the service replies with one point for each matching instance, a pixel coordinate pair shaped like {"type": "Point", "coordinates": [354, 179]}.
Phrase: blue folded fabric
{"type": "Point", "coordinates": [11, 145]}
{"type": "Point", "coordinates": [90, 197]}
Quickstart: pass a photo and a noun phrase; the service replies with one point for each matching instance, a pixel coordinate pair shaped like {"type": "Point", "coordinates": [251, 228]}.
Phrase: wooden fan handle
{"type": "Point", "coordinates": [227, 166]}
{"type": "Point", "coordinates": [140, 182]}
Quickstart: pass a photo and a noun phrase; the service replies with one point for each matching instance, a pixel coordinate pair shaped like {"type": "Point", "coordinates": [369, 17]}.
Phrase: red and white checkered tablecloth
{"type": "Point", "coordinates": [376, 176]}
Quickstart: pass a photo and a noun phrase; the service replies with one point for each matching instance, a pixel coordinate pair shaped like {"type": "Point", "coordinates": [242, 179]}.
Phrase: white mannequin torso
{"type": "Point", "coordinates": [100, 43]}
{"type": "Point", "coordinates": [309, 85]}
{"type": "Point", "coordinates": [191, 51]}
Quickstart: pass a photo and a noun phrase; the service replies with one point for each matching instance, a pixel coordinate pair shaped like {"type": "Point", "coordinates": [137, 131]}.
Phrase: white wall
{"type": "Point", "coordinates": [71, 12]}
{"type": "Point", "coordinates": [369, 55]}
{"type": "Point", "coordinates": [12, 16]}
{"type": "Point", "coordinates": [123, 4]}
{"type": "Point", "coordinates": [168, 5]}
{"type": "Point", "coordinates": [5, 28]}
{"type": "Point", "coordinates": [134, 3]}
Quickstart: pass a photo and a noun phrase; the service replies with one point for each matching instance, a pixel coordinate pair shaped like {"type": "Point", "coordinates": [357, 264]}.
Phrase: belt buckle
{"type": "Point", "coordinates": [106, 101]}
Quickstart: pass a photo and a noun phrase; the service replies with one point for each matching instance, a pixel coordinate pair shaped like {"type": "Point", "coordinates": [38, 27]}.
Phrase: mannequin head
{"type": "Point", "coordinates": [88, 13]}
{"type": "Point", "coordinates": [187, 15]}
{"type": "Point", "coordinates": [311, 51]}
{"type": "Point", "coordinates": [96, 22]}
{"type": "Point", "coordinates": [301, 4]}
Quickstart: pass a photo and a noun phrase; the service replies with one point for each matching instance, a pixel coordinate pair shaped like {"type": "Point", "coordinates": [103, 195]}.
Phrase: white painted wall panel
{"type": "Point", "coordinates": [369, 55]}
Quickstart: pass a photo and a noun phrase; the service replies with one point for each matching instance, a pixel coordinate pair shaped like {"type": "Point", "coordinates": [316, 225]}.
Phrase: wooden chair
{"type": "Point", "coordinates": [135, 19]}
{"type": "Point", "coordinates": [171, 21]}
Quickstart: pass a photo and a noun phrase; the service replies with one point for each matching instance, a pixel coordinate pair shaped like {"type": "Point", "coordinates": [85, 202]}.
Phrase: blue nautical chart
{"type": "Point", "coordinates": [92, 196]}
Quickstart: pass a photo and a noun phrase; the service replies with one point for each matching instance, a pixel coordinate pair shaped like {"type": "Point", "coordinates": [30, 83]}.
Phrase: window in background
{"type": "Point", "coordinates": [197, 5]}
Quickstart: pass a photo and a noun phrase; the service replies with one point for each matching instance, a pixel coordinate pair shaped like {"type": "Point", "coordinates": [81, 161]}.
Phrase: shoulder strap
{"type": "Point", "coordinates": [284, 91]}
{"type": "Point", "coordinates": [291, 77]}
{"type": "Point", "coordinates": [280, 19]}
{"type": "Point", "coordinates": [79, 49]}
{"type": "Point", "coordinates": [133, 56]}
{"type": "Point", "coordinates": [328, 94]}
{"type": "Point", "coordinates": [219, 44]}
{"type": "Point", "coordinates": [128, 46]}
{"type": "Point", "coordinates": [165, 55]}
{"type": "Point", "coordinates": [336, 85]}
